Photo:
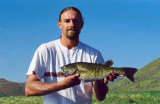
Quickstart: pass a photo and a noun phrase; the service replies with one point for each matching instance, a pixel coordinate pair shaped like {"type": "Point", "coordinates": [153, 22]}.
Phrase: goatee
{"type": "Point", "coordinates": [72, 36]}
{"type": "Point", "coordinates": [72, 33]}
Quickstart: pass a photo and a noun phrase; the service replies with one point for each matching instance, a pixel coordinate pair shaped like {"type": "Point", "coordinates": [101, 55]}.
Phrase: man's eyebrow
{"type": "Point", "coordinates": [68, 19]}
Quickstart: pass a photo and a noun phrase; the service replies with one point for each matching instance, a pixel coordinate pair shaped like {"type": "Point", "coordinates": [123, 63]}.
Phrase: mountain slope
{"type": "Point", "coordinates": [146, 79]}
{"type": "Point", "coordinates": [11, 88]}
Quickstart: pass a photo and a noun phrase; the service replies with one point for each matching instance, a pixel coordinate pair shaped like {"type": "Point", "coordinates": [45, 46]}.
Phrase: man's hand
{"type": "Point", "coordinates": [111, 77]}
{"type": "Point", "coordinates": [71, 81]}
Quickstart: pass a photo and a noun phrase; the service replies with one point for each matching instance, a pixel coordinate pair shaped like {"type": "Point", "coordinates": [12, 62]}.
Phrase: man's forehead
{"type": "Point", "coordinates": [70, 14]}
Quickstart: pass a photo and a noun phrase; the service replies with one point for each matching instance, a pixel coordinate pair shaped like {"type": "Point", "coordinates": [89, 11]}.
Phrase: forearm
{"type": "Point", "coordinates": [100, 90]}
{"type": "Point", "coordinates": [34, 87]}
{"type": "Point", "coordinates": [37, 88]}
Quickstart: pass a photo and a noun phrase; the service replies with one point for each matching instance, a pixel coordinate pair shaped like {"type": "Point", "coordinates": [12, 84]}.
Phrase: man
{"type": "Point", "coordinates": [42, 77]}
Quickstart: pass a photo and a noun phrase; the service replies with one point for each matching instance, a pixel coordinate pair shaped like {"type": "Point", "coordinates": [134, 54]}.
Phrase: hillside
{"type": "Point", "coordinates": [11, 88]}
{"type": "Point", "coordinates": [146, 79]}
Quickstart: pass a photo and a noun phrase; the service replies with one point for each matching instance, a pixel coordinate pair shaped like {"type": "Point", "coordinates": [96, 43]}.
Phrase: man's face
{"type": "Point", "coordinates": [71, 24]}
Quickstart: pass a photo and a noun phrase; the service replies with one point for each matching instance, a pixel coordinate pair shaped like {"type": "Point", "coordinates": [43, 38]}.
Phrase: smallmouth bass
{"type": "Point", "coordinates": [96, 71]}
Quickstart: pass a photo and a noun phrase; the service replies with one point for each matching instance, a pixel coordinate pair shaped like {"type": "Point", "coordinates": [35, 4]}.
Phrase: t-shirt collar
{"type": "Point", "coordinates": [64, 48]}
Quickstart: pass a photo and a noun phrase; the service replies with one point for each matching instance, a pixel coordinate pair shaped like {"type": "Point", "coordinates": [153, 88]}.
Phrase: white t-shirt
{"type": "Point", "coordinates": [48, 59]}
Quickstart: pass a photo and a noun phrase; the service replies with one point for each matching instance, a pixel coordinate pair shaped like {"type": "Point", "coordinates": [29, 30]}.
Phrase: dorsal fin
{"type": "Point", "coordinates": [108, 63]}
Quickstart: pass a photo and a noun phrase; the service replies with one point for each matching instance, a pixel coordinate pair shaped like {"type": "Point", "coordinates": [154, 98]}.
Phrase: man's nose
{"type": "Point", "coordinates": [72, 23]}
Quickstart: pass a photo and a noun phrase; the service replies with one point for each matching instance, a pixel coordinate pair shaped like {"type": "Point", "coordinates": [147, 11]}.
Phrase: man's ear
{"type": "Point", "coordinates": [59, 25]}
{"type": "Point", "coordinates": [82, 24]}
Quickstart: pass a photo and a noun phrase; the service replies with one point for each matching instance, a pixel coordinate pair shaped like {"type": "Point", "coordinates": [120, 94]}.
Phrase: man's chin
{"type": "Point", "coordinates": [73, 36]}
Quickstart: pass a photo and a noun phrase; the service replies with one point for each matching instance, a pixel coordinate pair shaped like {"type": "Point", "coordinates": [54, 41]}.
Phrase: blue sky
{"type": "Point", "coordinates": [126, 31]}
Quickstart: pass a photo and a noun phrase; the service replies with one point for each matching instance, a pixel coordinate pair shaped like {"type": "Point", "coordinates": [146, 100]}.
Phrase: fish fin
{"type": "Point", "coordinates": [108, 63]}
{"type": "Point", "coordinates": [77, 71]}
{"type": "Point", "coordinates": [82, 78]}
{"type": "Point", "coordinates": [129, 72]}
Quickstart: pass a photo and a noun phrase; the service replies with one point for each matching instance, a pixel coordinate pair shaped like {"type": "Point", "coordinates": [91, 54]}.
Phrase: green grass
{"type": "Point", "coordinates": [151, 97]}
{"type": "Point", "coordinates": [21, 100]}
{"type": "Point", "coordinates": [145, 97]}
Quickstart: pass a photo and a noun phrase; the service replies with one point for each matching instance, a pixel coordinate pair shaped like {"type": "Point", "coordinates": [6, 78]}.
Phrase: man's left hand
{"type": "Point", "coordinates": [112, 76]}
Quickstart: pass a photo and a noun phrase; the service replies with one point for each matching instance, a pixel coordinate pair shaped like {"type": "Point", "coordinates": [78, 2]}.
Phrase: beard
{"type": "Point", "coordinates": [72, 33]}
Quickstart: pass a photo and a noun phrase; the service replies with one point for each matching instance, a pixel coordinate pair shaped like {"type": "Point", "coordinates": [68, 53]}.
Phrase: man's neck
{"type": "Point", "coordinates": [70, 44]}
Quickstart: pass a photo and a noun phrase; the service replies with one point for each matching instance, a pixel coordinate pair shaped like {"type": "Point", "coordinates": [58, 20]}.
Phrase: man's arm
{"type": "Point", "coordinates": [100, 88]}
{"type": "Point", "coordinates": [34, 87]}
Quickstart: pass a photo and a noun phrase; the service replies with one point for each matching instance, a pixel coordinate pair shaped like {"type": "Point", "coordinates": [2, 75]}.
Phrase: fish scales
{"type": "Point", "coordinates": [93, 71]}
{"type": "Point", "coordinates": [96, 71]}
{"type": "Point", "coordinates": [86, 71]}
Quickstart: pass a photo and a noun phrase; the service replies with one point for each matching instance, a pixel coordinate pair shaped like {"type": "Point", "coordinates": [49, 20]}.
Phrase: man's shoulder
{"type": "Point", "coordinates": [47, 46]}
{"type": "Point", "coordinates": [50, 44]}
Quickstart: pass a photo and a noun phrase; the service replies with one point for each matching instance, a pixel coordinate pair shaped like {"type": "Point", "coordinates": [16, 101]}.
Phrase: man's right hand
{"type": "Point", "coordinates": [71, 81]}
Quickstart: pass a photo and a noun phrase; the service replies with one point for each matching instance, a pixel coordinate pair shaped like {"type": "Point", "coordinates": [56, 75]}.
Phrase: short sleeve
{"type": "Point", "coordinates": [38, 62]}
{"type": "Point", "coordinates": [99, 58]}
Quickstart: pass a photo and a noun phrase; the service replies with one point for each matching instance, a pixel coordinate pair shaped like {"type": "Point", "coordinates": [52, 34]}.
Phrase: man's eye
{"type": "Point", "coordinates": [67, 21]}
{"type": "Point", "coordinates": [76, 20]}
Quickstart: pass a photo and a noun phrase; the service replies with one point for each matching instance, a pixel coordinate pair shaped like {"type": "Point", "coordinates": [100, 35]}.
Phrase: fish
{"type": "Point", "coordinates": [89, 72]}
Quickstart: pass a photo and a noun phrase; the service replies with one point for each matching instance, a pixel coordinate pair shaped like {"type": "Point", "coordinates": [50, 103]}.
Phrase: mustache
{"type": "Point", "coordinates": [71, 28]}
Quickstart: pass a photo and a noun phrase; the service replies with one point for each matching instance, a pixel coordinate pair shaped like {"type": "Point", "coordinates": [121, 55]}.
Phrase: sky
{"type": "Point", "coordinates": [126, 31]}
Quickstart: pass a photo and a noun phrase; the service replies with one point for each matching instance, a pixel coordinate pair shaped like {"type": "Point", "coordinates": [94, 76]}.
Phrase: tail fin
{"type": "Point", "coordinates": [129, 72]}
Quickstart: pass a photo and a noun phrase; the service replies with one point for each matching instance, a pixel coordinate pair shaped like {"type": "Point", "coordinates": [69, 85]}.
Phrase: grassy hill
{"type": "Point", "coordinates": [146, 79]}
{"type": "Point", "coordinates": [8, 88]}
